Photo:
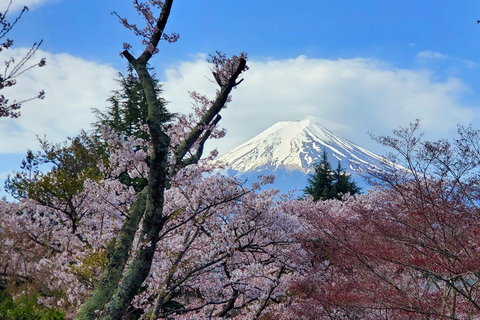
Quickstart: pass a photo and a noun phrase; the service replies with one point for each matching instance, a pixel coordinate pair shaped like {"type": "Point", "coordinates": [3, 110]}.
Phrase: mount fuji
{"type": "Point", "coordinates": [289, 149]}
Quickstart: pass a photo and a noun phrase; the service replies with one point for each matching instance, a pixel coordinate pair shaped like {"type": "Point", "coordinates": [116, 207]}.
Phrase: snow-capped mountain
{"type": "Point", "coordinates": [289, 149]}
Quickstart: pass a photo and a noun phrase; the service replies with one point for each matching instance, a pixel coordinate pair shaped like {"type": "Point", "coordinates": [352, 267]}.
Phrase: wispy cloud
{"type": "Point", "coordinates": [468, 63]}
{"type": "Point", "coordinates": [431, 55]}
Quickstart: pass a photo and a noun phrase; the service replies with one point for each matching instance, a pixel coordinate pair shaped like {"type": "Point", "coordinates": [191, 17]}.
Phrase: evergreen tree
{"type": "Point", "coordinates": [128, 110]}
{"type": "Point", "coordinates": [343, 183]}
{"type": "Point", "coordinates": [59, 170]}
{"type": "Point", "coordinates": [76, 159]}
{"type": "Point", "coordinates": [128, 113]}
{"type": "Point", "coordinates": [320, 183]}
{"type": "Point", "coordinates": [326, 183]}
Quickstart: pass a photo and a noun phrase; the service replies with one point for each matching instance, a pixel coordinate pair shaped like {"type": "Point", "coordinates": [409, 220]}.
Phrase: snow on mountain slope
{"type": "Point", "coordinates": [296, 146]}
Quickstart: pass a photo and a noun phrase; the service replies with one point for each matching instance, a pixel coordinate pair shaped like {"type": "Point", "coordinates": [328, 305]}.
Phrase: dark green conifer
{"type": "Point", "coordinates": [128, 109]}
{"type": "Point", "coordinates": [128, 112]}
{"type": "Point", "coordinates": [326, 183]}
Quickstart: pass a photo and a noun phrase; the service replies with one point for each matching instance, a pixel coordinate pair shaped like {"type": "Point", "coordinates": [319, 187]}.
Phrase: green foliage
{"type": "Point", "coordinates": [326, 183]}
{"type": "Point", "coordinates": [128, 111]}
{"type": "Point", "coordinates": [4, 295]}
{"type": "Point", "coordinates": [26, 308]}
{"type": "Point", "coordinates": [69, 164]}
{"type": "Point", "coordinates": [58, 171]}
{"type": "Point", "coordinates": [91, 269]}
{"type": "Point", "coordinates": [128, 114]}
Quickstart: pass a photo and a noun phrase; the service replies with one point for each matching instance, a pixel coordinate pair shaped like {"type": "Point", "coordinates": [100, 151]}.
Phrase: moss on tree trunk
{"type": "Point", "coordinates": [114, 269]}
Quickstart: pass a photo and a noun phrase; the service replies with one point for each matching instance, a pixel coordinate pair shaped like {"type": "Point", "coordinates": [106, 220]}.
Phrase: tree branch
{"type": "Point", "coordinates": [156, 36]}
{"type": "Point", "coordinates": [214, 109]}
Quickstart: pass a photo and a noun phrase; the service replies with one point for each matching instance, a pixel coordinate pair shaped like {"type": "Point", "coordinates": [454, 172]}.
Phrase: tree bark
{"type": "Point", "coordinates": [114, 269]}
{"type": "Point", "coordinates": [153, 221]}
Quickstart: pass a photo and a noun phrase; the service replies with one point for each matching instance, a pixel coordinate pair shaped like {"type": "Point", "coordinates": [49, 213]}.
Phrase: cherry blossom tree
{"type": "Point", "coordinates": [149, 207]}
{"type": "Point", "coordinates": [408, 249]}
{"type": "Point", "coordinates": [14, 69]}
{"type": "Point", "coordinates": [191, 243]}
{"type": "Point", "coordinates": [223, 250]}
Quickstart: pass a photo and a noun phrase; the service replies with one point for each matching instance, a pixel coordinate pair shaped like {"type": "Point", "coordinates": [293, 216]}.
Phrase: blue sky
{"type": "Point", "coordinates": [359, 66]}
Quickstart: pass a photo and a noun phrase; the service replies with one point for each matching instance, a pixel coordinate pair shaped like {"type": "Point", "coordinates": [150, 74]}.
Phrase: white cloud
{"type": "Point", "coordinates": [431, 55]}
{"type": "Point", "coordinates": [356, 95]}
{"type": "Point", "coordinates": [73, 86]}
{"type": "Point", "coordinates": [19, 4]}
{"type": "Point", "coordinates": [350, 96]}
{"type": "Point", "coordinates": [469, 64]}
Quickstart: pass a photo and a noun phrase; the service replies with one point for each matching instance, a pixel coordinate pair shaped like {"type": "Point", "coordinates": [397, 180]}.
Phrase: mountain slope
{"type": "Point", "coordinates": [290, 146]}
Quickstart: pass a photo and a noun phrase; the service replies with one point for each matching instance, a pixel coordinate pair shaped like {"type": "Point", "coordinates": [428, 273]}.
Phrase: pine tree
{"type": "Point", "coordinates": [326, 183]}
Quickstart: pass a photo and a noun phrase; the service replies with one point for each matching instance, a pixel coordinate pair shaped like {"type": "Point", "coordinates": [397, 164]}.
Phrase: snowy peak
{"type": "Point", "coordinates": [296, 145]}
